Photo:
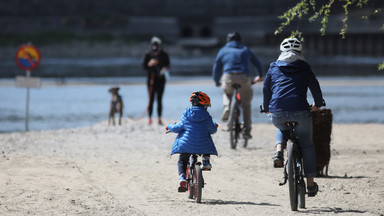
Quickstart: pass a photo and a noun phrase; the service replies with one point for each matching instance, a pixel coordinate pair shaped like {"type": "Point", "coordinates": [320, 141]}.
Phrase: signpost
{"type": "Point", "coordinates": [28, 58]}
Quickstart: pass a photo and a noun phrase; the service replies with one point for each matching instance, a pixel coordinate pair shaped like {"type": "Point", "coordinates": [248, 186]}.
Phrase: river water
{"type": "Point", "coordinates": [77, 102]}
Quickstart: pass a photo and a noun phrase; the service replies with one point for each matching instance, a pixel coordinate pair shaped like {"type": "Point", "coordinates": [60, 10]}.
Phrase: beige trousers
{"type": "Point", "coordinates": [246, 95]}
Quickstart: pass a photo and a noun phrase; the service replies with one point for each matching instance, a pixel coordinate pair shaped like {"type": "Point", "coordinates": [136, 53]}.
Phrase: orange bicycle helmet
{"type": "Point", "coordinates": [199, 98]}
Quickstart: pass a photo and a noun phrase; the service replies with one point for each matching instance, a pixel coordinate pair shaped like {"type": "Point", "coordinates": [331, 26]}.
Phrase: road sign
{"type": "Point", "coordinates": [28, 57]}
{"type": "Point", "coordinates": [29, 82]}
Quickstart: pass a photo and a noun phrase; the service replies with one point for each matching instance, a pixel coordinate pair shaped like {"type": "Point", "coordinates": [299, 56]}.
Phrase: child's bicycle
{"type": "Point", "coordinates": [234, 126]}
{"type": "Point", "coordinates": [293, 169]}
{"type": "Point", "coordinates": [194, 177]}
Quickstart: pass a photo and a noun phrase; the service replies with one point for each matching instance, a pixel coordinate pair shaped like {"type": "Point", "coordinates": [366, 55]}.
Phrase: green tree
{"type": "Point", "coordinates": [321, 9]}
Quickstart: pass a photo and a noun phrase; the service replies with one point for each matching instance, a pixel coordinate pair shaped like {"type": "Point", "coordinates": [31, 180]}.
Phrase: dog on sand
{"type": "Point", "coordinates": [116, 105]}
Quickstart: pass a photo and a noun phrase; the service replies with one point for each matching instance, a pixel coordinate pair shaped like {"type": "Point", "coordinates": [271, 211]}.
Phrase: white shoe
{"type": "Point", "coordinates": [225, 115]}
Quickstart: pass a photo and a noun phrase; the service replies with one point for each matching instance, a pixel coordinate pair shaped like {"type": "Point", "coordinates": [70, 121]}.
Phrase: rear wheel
{"type": "Point", "coordinates": [233, 125]}
{"type": "Point", "coordinates": [190, 187]}
{"type": "Point", "coordinates": [198, 184]}
{"type": "Point", "coordinates": [292, 178]}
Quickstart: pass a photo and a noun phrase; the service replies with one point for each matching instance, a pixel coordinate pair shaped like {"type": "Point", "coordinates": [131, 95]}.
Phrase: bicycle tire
{"type": "Point", "coordinates": [190, 187]}
{"type": "Point", "coordinates": [292, 178]}
{"type": "Point", "coordinates": [232, 124]}
{"type": "Point", "coordinates": [198, 184]}
{"type": "Point", "coordinates": [301, 194]}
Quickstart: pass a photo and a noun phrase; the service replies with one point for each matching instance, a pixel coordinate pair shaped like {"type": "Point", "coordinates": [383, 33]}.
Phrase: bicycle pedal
{"type": "Point", "coordinates": [278, 165]}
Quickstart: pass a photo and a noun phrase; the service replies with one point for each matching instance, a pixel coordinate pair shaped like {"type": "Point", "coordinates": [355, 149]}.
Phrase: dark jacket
{"type": "Point", "coordinates": [195, 129]}
{"type": "Point", "coordinates": [163, 62]}
{"type": "Point", "coordinates": [286, 86]}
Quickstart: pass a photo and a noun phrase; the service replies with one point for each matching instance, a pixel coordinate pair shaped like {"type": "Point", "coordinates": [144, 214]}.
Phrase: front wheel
{"type": "Point", "coordinates": [198, 184]}
{"type": "Point", "coordinates": [292, 178]}
{"type": "Point", "coordinates": [190, 183]}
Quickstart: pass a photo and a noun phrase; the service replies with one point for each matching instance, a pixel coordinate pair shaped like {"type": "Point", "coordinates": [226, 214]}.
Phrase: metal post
{"type": "Point", "coordinates": [27, 103]}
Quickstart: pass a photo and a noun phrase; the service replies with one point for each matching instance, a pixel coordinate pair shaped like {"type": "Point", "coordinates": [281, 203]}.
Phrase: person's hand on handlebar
{"type": "Point", "coordinates": [314, 108]}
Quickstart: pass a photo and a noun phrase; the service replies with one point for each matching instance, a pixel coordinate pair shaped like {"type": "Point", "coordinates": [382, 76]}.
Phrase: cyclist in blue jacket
{"type": "Point", "coordinates": [232, 66]}
{"type": "Point", "coordinates": [194, 135]}
{"type": "Point", "coordinates": [285, 99]}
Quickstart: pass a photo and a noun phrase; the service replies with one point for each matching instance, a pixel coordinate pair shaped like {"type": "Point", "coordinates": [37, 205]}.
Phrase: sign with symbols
{"type": "Point", "coordinates": [28, 57]}
{"type": "Point", "coordinates": [29, 82]}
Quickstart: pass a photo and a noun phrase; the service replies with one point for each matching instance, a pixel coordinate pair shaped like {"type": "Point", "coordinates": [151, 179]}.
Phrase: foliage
{"type": "Point", "coordinates": [321, 9]}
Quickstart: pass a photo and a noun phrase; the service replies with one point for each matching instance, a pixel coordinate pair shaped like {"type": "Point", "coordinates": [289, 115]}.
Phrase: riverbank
{"type": "Point", "coordinates": [126, 170]}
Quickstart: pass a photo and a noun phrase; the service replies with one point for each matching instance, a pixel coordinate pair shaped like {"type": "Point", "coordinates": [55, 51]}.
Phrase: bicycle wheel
{"type": "Point", "coordinates": [233, 124]}
{"type": "Point", "coordinates": [190, 188]}
{"type": "Point", "coordinates": [292, 181]}
{"type": "Point", "coordinates": [301, 194]}
{"type": "Point", "coordinates": [198, 183]}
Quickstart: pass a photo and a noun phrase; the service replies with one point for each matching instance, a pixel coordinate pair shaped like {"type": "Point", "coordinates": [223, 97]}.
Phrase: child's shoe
{"type": "Point", "coordinates": [182, 183]}
{"type": "Point", "coordinates": [207, 165]}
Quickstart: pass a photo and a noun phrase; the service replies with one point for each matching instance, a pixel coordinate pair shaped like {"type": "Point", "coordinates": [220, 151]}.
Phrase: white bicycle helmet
{"type": "Point", "coordinates": [291, 44]}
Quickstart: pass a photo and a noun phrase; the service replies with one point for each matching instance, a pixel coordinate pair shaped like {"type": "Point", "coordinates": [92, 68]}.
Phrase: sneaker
{"type": "Point", "coordinates": [149, 121]}
{"type": "Point", "coordinates": [247, 136]}
{"type": "Point", "coordinates": [278, 159]}
{"type": "Point", "coordinates": [207, 165]}
{"type": "Point", "coordinates": [312, 190]}
{"type": "Point", "coordinates": [160, 122]}
{"type": "Point", "coordinates": [225, 115]}
{"type": "Point", "coordinates": [182, 184]}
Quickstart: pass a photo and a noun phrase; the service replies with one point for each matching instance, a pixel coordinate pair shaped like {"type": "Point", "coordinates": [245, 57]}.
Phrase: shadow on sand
{"type": "Point", "coordinates": [230, 202]}
{"type": "Point", "coordinates": [332, 210]}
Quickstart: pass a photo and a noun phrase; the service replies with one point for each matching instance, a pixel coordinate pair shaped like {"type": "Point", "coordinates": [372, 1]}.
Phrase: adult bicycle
{"type": "Point", "coordinates": [194, 177]}
{"type": "Point", "coordinates": [235, 127]}
{"type": "Point", "coordinates": [293, 169]}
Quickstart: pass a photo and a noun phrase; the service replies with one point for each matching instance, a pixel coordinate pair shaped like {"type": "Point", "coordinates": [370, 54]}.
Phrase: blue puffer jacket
{"type": "Point", "coordinates": [195, 129]}
{"type": "Point", "coordinates": [286, 85]}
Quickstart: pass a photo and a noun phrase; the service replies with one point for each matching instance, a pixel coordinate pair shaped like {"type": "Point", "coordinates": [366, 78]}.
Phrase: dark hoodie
{"type": "Point", "coordinates": [286, 85]}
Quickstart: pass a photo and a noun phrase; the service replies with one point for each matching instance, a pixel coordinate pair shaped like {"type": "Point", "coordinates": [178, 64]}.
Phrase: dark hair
{"type": "Point", "coordinates": [233, 36]}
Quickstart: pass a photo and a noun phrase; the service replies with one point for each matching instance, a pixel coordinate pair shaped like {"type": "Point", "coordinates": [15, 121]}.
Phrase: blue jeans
{"type": "Point", "coordinates": [303, 132]}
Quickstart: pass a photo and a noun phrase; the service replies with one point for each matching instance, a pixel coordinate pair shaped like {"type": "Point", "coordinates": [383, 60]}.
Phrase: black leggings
{"type": "Point", "coordinates": [156, 90]}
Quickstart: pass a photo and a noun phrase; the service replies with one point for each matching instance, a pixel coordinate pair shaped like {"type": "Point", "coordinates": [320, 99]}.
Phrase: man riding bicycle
{"type": "Point", "coordinates": [232, 67]}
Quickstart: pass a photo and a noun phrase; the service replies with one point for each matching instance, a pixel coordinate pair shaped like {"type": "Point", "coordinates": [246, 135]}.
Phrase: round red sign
{"type": "Point", "coordinates": [28, 57]}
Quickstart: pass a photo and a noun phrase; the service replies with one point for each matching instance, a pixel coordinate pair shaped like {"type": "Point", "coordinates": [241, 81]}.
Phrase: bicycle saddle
{"type": "Point", "coordinates": [291, 124]}
{"type": "Point", "coordinates": [236, 86]}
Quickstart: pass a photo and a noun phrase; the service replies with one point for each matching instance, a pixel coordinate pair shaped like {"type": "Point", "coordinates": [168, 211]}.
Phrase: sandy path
{"type": "Point", "coordinates": [127, 170]}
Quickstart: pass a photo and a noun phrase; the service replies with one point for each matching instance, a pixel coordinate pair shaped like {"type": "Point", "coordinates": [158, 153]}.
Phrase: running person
{"type": "Point", "coordinates": [155, 62]}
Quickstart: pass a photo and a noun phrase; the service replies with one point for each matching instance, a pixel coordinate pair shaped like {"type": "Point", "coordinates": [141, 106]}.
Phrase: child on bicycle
{"type": "Point", "coordinates": [194, 135]}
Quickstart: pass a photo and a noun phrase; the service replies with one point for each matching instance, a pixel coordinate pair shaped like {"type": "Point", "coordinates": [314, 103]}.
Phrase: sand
{"type": "Point", "coordinates": [127, 170]}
